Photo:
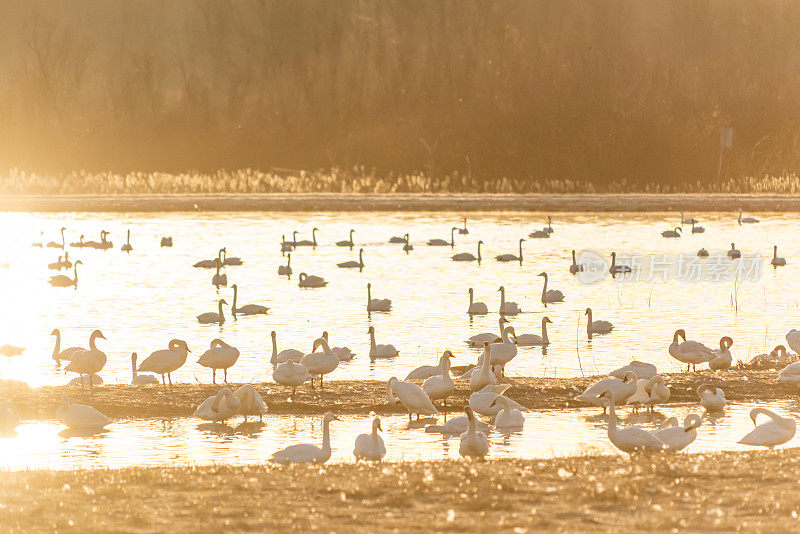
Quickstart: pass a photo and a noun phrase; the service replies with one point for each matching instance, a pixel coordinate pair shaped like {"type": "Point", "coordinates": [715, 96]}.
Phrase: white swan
{"type": "Point", "coordinates": [247, 309]}
{"type": "Point", "coordinates": [553, 295]}
{"type": "Point", "coordinates": [320, 363]}
{"type": "Point", "coordinates": [456, 425]}
{"type": "Point", "coordinates": [407, 247]}
{"type": "Point", "coordinates": [441, 386]}
{"type": "Point", "coordinates": [507, 308]}
{"type": "Point", "coordinates": [286, 269]}
{"type": "Point", "coordinates": [746, 220]}
{"type": "Point", "coordinates": [383, 305]}
{"type": "Point", "coordinates": [596, 327]}
{"type": "Point", "coordinates": [575, 267]}
{"type": "Point", "coordinates": [467, 256]}
{"type": "Point", "coordinates": [348, 242]}
{"type": "Point", "coordinates": [476, 308]}
{"type": "Point", "coordinates": [127, 246]}
{"type": "Point", "coordinates": [80, 416]}
{"type": "Point", "coordinates": [508, 416]}
{"type": "Point", "coordinates": [689, 352]}
{"type": "Point", "coordinates": [285, 355]}
{"type": "Point", "coordinates": [291, 374]}
{"type": "Point", "coordinates": [775, 432]}
{"type": "Point", "coordinates": [251, 402]}
{"type": "Point", "coordinates": [617, 269]}
{"type": "Point", "coordinates": [793, 339]}
{"type": "Point", "coordinates": [549, 227]}
{"type": "Point", "coordinates": [504, 351]}
{"type": "Point", "coordinates": [478, 339]}
{"type": "Point", "coordinates": [776, 261]}
{"type": "Point", "coordinates": [370, 447]}
{"type": "Point", "coordinates": [220, 355]}
{"type": "Point", "coordinates": [352, 264]}
{"type": "Point", "coordinates": [790, 374]}
{"type": "Point", "coordinates": [650, 392]}
{"type": "Point", "coordinates": [211, 317]}
{"type": "Point", "coordinates": [482, 401]}
{"type": "Point", "coordinates": [140, 380]}
{"type": "Point", "coordinates": [310, 280]}
{"type": "Point", "coordinates": [410, 395]}
{"type": "Point", "coordinates": [482, 375]}
{"type": "Point", "coordinates": [528, 340]}
{"type": "Point", "coordinates": [66, 354]}
{"type": "Point", "coordinates": [734, 253]}
{"type": "Point", "coordinates": [306, 452]}
{"type": "Point", "coordinates": [631, 439]}
{"type": "Point", "coordinates": [9, 418]}
{"type": "Point", "coordinates": [723, 358]}
{"type": "Point", "coordinates": [426, 371]}
{"type": "Point", "coordinates": [620, 388]}
{"type": "Point", "coordinates": [343, 353]}
{"type": "Point", "coordinates": [473, 443]}
{"type": "Point", "coordinates": [677, 438]}
{"type": "Point", "coordinates": [62, 280]}
{"type": "Point", "coordinates": [442, 242]}
{"type": "Point", "coordinates": [87, 362]}
{"type": "Point", "coordinates": [380, 351]}
{"type": "Point", "coordinates": [540, 234]}
{"type": "Point", "coordinates": [672, 233]}
{"type": "Point", "coordinates": [220, 407]}
{"type": "Point", "coordinates": [711, 398]}
{"type": "Point", "coordinates": [306, 242]}
{"type": "Point", "coordinates": [219, 279]}
{"type": "Point", "coordinates": [166, 361]}
{"type": "Point", "coordinates": [511, 257]}
{"type": "Point", "coordinates": [640, 369]}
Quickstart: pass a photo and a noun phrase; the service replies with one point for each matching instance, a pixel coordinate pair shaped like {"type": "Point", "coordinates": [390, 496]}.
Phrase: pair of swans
{"type": "Point", "coordinates": [88, 362]}
{"type": "Point", "coordinates": [620, 388]}
{"type": "Point", "coordinates": [220, 355]}
{"type": "Point", "coordinates": [305, 242]}
{"type": "Point", "coordinates": [213, 318]}
{"type": "Point", "coordinates": [166, 361]}
{"type": "Point", "coordinates": [310, 280]}
{"type": "Point", "coordinates": [383, 305]}
{"type": "Point", "coordinates": [723, 358]}
{"type": "Point", "coordinates": [62, 280]}
{"type": "Point", "coordinates": [551, 295]}
{"type": "Point", "coordinates": [650, 392]}
{"type": "Point", "coordinates": [247, 309]}
{"type": "Point", "coordinates": [370, 447]}
{"type": "Point", "coordinates": [166, 241]}
{"type": "Point", "coordinates": [689, 352]}
{"type": "Point", "coordinates": [64, 263]}
{"type": "Point", "coordinates": [306, 452]}
{"type": "Point", "coordinates": [320, 363]}
{"type": "Point", "coordinates": [442, 242]}
{"type": "Point", "coordinates": [380, 351]}
{"type": "Point", "coordinates": [411, 396]}
{"type": "Point", "coordinates": [511, 257]}
{"type": "Point", "coordinates": [596, 327]}
{"type": "Point", "coordinates": [352, 264]}
{"type": "Point", "coordinates": [220, 407]}
{"type": "Point", "coordinates": [80, 416]}
{"type": "Point", "coordinates": [483, 401]}
{"type": "Point", "coordinates": [348, 242]}
{"type": "Point", "coordinates": [545, 232]}
{"type": "Point", "coordinates": [68, 353]}
{"type": "Point", "coordinates": [467, 256]}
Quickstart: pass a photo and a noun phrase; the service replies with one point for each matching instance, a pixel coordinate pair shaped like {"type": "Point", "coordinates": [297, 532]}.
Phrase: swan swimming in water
{"type": "Point", "coordinates": [306, 452]}
{"type": "Point", "coordinates": [211, 317]}
{"type": "Point", "coordinates": [456, 425]}
{"type": "Point", "coordinates": [507, 308]}
{"type": "Point", "coordinates": [310, 280]}
{"type": "Point", "coordinates": [306, 242]}
{"type": "Point", "coordinates": [596, 327]}
{"type": "Point", "coordinates": [552, 295]}
{"type": "Point", "coordinates": [219, 279]}
{"type": "Point", "coordinates": [511, 257]}
{"type": "Point", "coordinates": [247, 309]}
{"type": "Point", "coordinates": [697, 229]}
{"type": "Point", "coordinates": [284, 355]}
{"type": "Point", "coordinates": [630, 439]}
{"type": "Point", "coordinates": [677, 438]}
{"type": "Point", "coordinates": [776, 431]}
{"type": "Point", "coordinates": [286, 269]}
{"type": "Point", "coordinates": [380, 351]}
{"type": "Point", "coordinates": [383, 305]}
{"type": "Point", "coordinates": [776, 261]}
{"type": "Point", "coordinates": [702, 253]}
{"type": "Point", "coordinates": [746, 220]}
{"type": "Point", "coordinates": [53, 244]}
{"type": "Point", "coordinates": [688, 221]}
{"type": "Point", "coordinates": [127, 246]}
{"type": "Point", "coordinates": [343, 353]}
{"type": "Point", "coordinates": [463, 231]}
{"type": "Point", "coordinates": [370, 447]}
{"type": "Point", "coordinates": [62, 280]}
{"type": "Point", "coordinates": [442, 242]}
{"type": "Point", "coordinates": [478, 339]}
{"type": "Point", "coordinates": [508, 417]}
{"type": "Point", "coordinates": [676, 232]}
{"type": "Point", "coordinates": [476, 308]}
{"type": "Point", "coordinates": [347, 243]}
{"type": "Point", "coordinates": [352, 264]}
{"type": "Point", "coordinates": [617, 269]}
{"type": "Point", "coordinates": [527, 340]}
{"type": "Point", "coordinates": [575, 267]}
{"type": "Point", "coordinates": [210, 264]}
{"type": "Point", "coordinates": [734, 253]}
{"type": "Point", "coordinates": [473, 443]}
{"type": "Point", "coordinates": [467, 256]}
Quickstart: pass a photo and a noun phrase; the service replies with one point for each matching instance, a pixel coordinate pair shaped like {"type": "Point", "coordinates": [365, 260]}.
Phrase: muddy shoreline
{"type": "Point", "coordinates": [365, 396]}
{"type": "Point", "coordinates": [305, 202]}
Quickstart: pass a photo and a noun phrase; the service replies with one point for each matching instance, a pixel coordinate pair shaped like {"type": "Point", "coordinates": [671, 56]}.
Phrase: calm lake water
{"type": "Point", "coordinates": [185, 441]}
{"type": "Point", "coordinates": [143, 299]}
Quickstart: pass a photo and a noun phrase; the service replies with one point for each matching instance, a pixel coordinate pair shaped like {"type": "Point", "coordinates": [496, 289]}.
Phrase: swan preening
{"type": "Point", "coordinates": [776, 431]}
{"type": "Point", "coordinates": [650, 392]}
{"type": "Point", "coordinates": [220, 407]}
{"type": "Point", "coordinates": [723, 358]}
{"type": "Point", "coordinates": [310, 280]}
{"type": "Point", "coordinates": [306, 452]}
{"type": "Point", "coordinates": [247, 309]}
{"type": "Point", "coordinates": [711, 398]}
{"type": "Point", "coordinates": [621, 389]}
{"type": "Point", "coordinates": [383, 305]}
{"type": "Point", "coordinates": [220, 355]}
{"type": "Point", "coordinates": [250, 402]}
{"type": "Point", "coordinates": [426, 371]}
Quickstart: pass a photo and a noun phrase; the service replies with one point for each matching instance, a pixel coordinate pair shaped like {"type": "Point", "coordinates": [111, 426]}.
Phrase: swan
{"type": "Point", "coordinates": [677, 438]}
{"type": "Point", "coordinates": [426, 371]}
{"type": "Point", "coordinates": [286, 269]}
{"type": "Point", "coordinates": [793, 339]}
{"type": "Point", "coordinates": [617, 269]}
{"type": "Point", "coordinates": [507, 308]}
{"type": "Point", "coordinates": [456, 425]}
{"type": "Point", "coordinates": [722, 358]}
{"type": "Point", "coordinates": [310, 280]}
{"type": "Point", "coordinates": [220, 407]}
{"type": "Point", "coordinates": [476, 308]}
{"type": "Point", "coordinates": [211, 317]}
{"type": "Point", "coordinates": [511, 257]}
{"type": "Point", "coordinates": [232, 260]}
{"type": "Point", "coordinates": [87, 362]}
{"type": "Point", "coordinates": [640, 396]}
{"type": "Point", "coordinates": [774, 432]}
{"type": "Point", "coordinates": [473, 444]}
{"type": "Point", "coordinates": [734, 253]}
{"type": "Point", "coordinates": [400, 239]}
{"type": "Point", "coordinates": [251, 402]}
{"type": "Point", "coordinates": [286, 246]}
{"type": "Point", "coordinates": [630, 439]}
{"type": "Point", "coordinates": [549, 227]}
{"type": "Point", "coordinates": [320, 363]}
{"type": "Point", "coordinates": [343, 353]}
{"type": "Point", "coordinates": [711, 398]}
{"type": "Point", "coordinates": [746, 220]}
{"type": "Point", "coordinates": [347, 243]}
{"type": "Point", "coordinates": [408, 246]}
{"type": "Point", "coordinates": [383, 305]}
{"type": "Point", "coordinates": [11, 350]}
{"type": "Point", "coordinates": [482, 401]}
{"type": "Point", "coordinates": [62, 280]}
{"type": "Point", "coordinates": [527, 340]}
{"type": "Point", "coordinates": [80, 416]}
{"type": "Point", "coordinates": [410, 395]}
{"type": "Point", "coordinates": [441, 386]}
{"type": "Point", "coordinates": [306, 452]}
{"type": "Point", "coordinates": [672, 233]}
{"type": "Point", "coordinates": [596, 327]}
{"type": "Point", "coordinates": [575, 267]}
{"type": "Point", "coordinates": [66, 354]}
{"type": "Point", "coordinates": [291, 374]}
{"type": "Point", "coordinates": [210, 264]}
{"type": "Point", "coordinates": [688, 221]}
{"type": "Point", "coordinates": [442, 242]}
{"type": "Point", "coordinates": [482, 375]}
{"type": "Point", "coordinates": [622, 389]}
{"type": "Point", "coordinates": [140, 380]}
{"type": "Point", "coordinates": [778, 355]}
{"type": "Point", "coordinates": [776, 261]}
{"type": "Point", "coordinates": [503, 351]}
{"type": "Point", "coordinates": [352, 264]}
{"type": "Point", "coordinates": [247, 309]}
{"type": "Point", "coordinates": [166, 241]}
{"type": "Point", "coordinates": [540, 234]}
{"type": "Point", "coordinates": [9, 418]}
{"type": "Point", "coordinates": [689, 352]}
{"type": "Point", "coordinates": [380, 351]}
{"type": "Point", "coordinates": [463, 231]}
{"type": "Point", "coordinates": [220, 355]}
{"type": "Point", "coordinates": [657, 391]}
{"type": "Point", "coordinates": [790, 374]}
{"type": "Point", "coordinates": [166, 361]}
{"type": "Point", "coordinates": [508, 416]}
{"type": "Point", "coordinates": [697, 229]}
{"type": "Point", "coordinates": [285, 355]}
{"type": "Point", "coordinates": [53, 244]}
{"type": "Point", "coordinates": [56, 265]}
{"type": "Point", "coordinates": [467, 256]}
{"type": "Point", "coordinates": [219, 279]}
{"type": "Point", "coordinates": [553, 295]}
{"type": "Point", "coordinates": [478, 339]}
{"type": "Point", "coordinates": [702, 253]}
{"type": "Point", "coordinates": [306, 242]}
{"type": "Point", "coordinates": [640, 369]}
{"type": "Point", "coordinates": [127, 246]}
{"type": "Point", "coordinates": [370, 447]}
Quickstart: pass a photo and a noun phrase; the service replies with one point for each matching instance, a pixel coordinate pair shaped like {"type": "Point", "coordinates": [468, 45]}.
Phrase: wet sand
{"type": "Point", "coordinates": [463, 202]}
{"type": "Point", "coordinates": [727, 491]}
{"type": "Point", "coordinates": [365, 396]}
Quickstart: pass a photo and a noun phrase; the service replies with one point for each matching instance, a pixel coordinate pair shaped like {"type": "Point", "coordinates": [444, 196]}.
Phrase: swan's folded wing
{"type": "Point", "coordinates": [302, 452]}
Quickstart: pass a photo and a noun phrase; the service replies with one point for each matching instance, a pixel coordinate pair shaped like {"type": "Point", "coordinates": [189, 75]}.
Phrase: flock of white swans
{"type": "Point", "coordinates": [637, 385]}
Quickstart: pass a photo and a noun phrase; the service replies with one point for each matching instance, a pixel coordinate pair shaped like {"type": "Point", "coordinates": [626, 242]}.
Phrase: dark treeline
{"type": "Point", "coordinates": [585, 90]}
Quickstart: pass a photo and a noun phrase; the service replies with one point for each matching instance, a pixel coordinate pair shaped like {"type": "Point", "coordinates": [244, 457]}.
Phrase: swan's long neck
{"type": "Point", "coordinates": [471, 299]}
{"type": "Point", "coordinates": [133, 366]}
{"type": "Point", "coordinates": [479, 251]}
{"type": "Point", "coordinates": [326, 348]}
{"type": "Point", "coordinates": [613, 261]}
{"type": "Point", "coordinates": [589, 320]}
{"type": "Point", "coordinates": [544, 288]}
{"type": "Point", "coordinates": [544, 331]}
{"type": "Point", "coordinates": [472, 427]}
{"type": "Point", "coordinates": [452, 237]}
{"type": "Point", "coordinates": [520, 250]}
{"type": "Point", "coordinates": [92, 339]}
{"type": "Point", "coordinates": [769, 413]}
{"type": "Point", "coordinates": [314, 236]}
{"type": "Point", "coordinates": [573, 258]}
{"type": "Point", "coordinates": [361, 257]}
{"type": "Point", "coordinates": [502, 298]}
{"type": "Point", "coordinates": [274, 358]}
{"type": "Point", "coordinates": [774, 252]}
{"type": "Point", "coordinates": [221, 316]}
{"type": "Point", "coordinates": [57, 349]}
{"type": "Point", "coordinates": [235, 293]}
{"type": "Point", "coordinates": [374, 433]}
{"type": "Point", "coordinates": [289, 260]}
{"type": "Point", "coordinates": [75, 274]}
{"type": "Point", "coordinates": [372, 345]}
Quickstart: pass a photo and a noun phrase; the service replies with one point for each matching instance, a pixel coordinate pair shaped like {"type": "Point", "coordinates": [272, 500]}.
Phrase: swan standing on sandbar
{"type": "Point", "coordinates": [140, 380]}
{"type": "Point", "coordinates": [310, 280]}
{"type": "Point", "coordinates": [689, 352]}
{"type": "Point", "coordinates": [352, 264]}
{"type": "Point", "coordinates": [62, 280]}
{"type": "Point", "coordinates": [80, 416]}
{"type": "Point", "coordinates": [380, 351]}
{"type": "Point", "coordinates": [426, 371]}
{"type": "Point", "coordinates": [640, 369]}
{"type": "Point", "coordinates": [622, 389]}
{"type": "Point", "coordinates": [211, 317]}
{"type": "Point", "coordinates": [291, 374]}
{"type": "Point", "coordinates": [320, 363]}
{"type": "Point", "coordinates": [286, 354]}
{"type": "Point", "coordinates": [370, 447]}
{"type": "Point", "coordinates": [473, 444]}
{"type": "Point", "coordinates": [553, 295]}
{"type": "Point", "coordinates": [442, 242]}
{"type": "Point", "coordinates": [219, 408]}
{"type": "Point", "coordinates": [251, 402]}
{"type": "Point", "coordinates": [441, 386]}
{"type": "Point", "coordinates": [88, 362]}
{"type": "Point", "coordinates": [166, 361]}
{"type": "Point", "coordinates": [247, 309]}
{"type": "Point", "coordinates": [306, 452]}
{"type": "Point", "coordinates": [476, 308]}
{"type": "Point", "coordinates": [482, 375]}
{"type": "Point", "coordinates": [529, 340]}
{"type": "Point", "coordinates": [467, 256]}
{"type": "Point", "coordinates": [723, 358]}
{"type": "Point", "coordinates": [286, 270]}
{"type": "Point", "coordinates": [631, 439]}
{"type": "Point", "coordinates": [775, 432]}
{"type": "Point", "coordinates": [219, 356]}
{"type": "Point", "coordinates": [507, 308]}
{"type": "Point", "coordinates": [410, 395]}
{"type": "Point", "coordinates": [511, 257]}
{"type": "Point", "coordinates": [596, 327]}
